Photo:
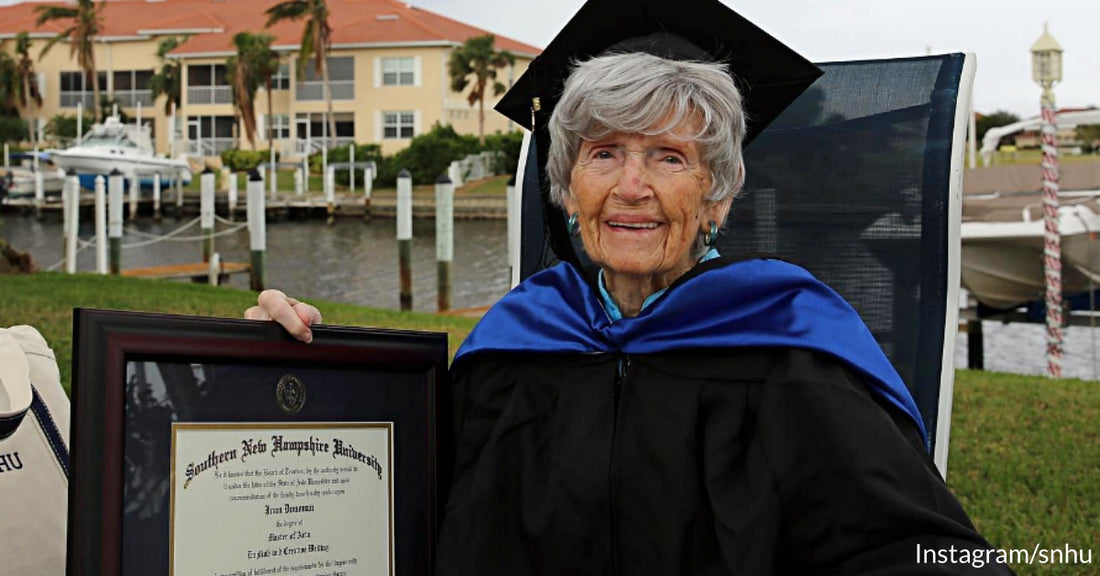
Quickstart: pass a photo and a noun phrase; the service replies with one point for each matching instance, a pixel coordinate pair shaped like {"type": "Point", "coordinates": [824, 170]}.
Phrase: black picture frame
{"type": "Point", "coordinates": [353, 374]}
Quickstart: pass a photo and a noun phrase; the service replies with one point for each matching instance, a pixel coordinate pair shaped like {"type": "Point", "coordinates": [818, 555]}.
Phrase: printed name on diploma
{"type": "Point", "coordinates": [280, 446]}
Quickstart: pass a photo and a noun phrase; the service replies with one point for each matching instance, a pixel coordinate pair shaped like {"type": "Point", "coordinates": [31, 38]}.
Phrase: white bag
{"type": "Point", "coordinates": [34, 456]}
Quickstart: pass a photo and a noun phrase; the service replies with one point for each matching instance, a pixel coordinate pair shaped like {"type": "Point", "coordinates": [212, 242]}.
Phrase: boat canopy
{"type": "Point", "coordinates": [112, 132]}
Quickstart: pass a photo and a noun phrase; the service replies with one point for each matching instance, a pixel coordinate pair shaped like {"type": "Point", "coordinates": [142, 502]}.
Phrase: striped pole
{"type": "Point", "coordinates": [1052, 245]}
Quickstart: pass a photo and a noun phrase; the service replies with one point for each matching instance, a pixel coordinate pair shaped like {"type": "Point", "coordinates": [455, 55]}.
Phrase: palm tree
{"type": "Point", "coordinates": [30, 96]}
{"type": "Point", "coordinates": [85, 20]}
{"type": "Point", "coordinates": [316, 42]}
{"type": "Point", "coordinates": [254, 65]}
{"type": "Point", "coordinates": [9, 83]}
{"type": "Point", "coordinates": [168, 81]}
{"type": "Point", "coordinates": [477, 57]}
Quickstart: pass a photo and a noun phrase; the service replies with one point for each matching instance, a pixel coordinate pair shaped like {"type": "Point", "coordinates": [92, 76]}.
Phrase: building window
{"type": "Point", "coordinates": [278, 127]}
{"type": "Point", "coordinates": [281, 79]}
{"type": "Point", "coordinates": [312, 127]}
{"type": "Point", "coordinates": [397, 125]}
{"type": "Point", "coordinates": [210, 135]}
{"type": "Point", "coordinates": [208, 84]}
{"type": "Point", "coordinates": [132, 87]}
{"type": "Point", "coordinates": [341, 73]}
{"type": "Point", "coordinates": [398, 71]}
{"type": "Point", "coordinates": [75, 89]}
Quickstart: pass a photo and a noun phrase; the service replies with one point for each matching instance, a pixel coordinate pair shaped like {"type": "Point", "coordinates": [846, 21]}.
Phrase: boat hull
{"type": "Point", "coordinates": [92, 165]}
{"type": "Point", "coordinates": [1002, 262]}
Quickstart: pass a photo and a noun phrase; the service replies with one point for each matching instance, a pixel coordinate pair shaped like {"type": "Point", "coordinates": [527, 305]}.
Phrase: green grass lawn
{"type": "Point", "coordinates": [46, 300]}
{"type": "Point", "coordinates": [493, 186]}
{"type": "Point", "coordinates": [1025, 462]}
{"type": "Point", "coordinates": [1025, 450]}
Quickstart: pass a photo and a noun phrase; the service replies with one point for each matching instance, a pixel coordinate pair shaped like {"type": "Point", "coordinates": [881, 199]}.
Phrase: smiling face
{"type": "Point", "coordinates": [641, 203]}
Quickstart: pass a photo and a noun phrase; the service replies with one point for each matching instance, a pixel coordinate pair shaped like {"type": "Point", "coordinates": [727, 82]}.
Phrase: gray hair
{"type": "Point", "coordinates": [640, 93]}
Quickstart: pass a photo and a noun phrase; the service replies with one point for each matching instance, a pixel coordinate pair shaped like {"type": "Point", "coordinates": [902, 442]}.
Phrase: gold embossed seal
{"type": "Point", "coordinates": [290, 394]}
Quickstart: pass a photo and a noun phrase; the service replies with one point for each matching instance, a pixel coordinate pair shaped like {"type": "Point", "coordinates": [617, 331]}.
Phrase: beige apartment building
{"type": "Point", "coordinates": [388, 69]}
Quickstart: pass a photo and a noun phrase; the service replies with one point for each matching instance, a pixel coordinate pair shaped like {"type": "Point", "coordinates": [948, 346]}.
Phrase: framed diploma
{"type": "Point", "coordinates": [218, 447]}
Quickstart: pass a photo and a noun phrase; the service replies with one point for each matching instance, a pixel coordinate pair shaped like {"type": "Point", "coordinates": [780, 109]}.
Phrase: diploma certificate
{"type": "Point", "coordinates": [309, 499]}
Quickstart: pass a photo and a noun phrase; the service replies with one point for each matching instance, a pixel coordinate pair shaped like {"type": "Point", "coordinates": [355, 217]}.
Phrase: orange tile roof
{"type": "Point", "coordinates": [353, 22]}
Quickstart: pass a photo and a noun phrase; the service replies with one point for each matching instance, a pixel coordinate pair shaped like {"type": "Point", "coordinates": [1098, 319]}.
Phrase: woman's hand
{"type": "Point", "coordinates": [296, 317]}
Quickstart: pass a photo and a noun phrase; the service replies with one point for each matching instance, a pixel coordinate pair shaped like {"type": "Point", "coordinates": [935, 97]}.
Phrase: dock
{"type": "Point", "coordinates": [291, 206]}
{"type": "Point", "coordinates": [196, 272]}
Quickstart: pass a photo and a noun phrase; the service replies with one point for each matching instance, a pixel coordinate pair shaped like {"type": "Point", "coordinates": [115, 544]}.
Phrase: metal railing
{"type": "Point", "coordinates": [130, 99]}
{"type": "Point", "coordinates": [71, 99]}
{"type": "Point", "coordinates": [315, 145]}
{"type": "Point", "coordinates": [209, 95]}
{"type": "Point", "coordinates": [210, 146]}
{"type": "Point", "coordinates": [341, 90]}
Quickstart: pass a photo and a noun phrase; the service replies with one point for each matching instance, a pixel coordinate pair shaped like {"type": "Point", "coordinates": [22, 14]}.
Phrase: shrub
{"type": "Point", "coordinates": [429, 154]}
{"type": "Point", "coordinates": [507, 146]}
{"type": "Point", "coordinates": [64, 126]}
{"type": "Point", "coordinates": [12, 129]}
{"type": "Point", "coordinates": [244, 160]}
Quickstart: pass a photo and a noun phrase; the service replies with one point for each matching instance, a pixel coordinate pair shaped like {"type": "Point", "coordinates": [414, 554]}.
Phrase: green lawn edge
{"type": "Point", "coordinates": [46, 301]}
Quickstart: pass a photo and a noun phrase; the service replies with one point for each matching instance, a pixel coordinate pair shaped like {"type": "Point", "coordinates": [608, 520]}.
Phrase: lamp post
{"type": "Point", "coordinates": [1046, 69]}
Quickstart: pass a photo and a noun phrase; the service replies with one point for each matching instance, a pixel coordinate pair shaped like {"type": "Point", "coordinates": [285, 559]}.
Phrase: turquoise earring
{"type": "Point", "coordinates": [711, 238]}
{"type": "Point", "coordinates": [574, 225]}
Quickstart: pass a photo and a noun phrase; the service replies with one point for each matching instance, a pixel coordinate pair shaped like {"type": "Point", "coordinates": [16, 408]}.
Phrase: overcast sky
{"type": "Point", "coordinates": [1000, 32]}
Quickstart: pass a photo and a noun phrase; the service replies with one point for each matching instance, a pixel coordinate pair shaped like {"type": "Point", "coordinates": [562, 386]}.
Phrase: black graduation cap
{"type": "Point", "coordinates": [769, 75]}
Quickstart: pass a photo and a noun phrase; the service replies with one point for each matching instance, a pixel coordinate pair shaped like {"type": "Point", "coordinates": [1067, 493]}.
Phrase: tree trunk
{"type": "Point", "coordinates": [481, 119]}
{"type": "Point", "coordinates": [95, 88]}
{"type": "Point", "coordinates": [32, 125]}
{"type": "Point", "coordinates": [328, 103]}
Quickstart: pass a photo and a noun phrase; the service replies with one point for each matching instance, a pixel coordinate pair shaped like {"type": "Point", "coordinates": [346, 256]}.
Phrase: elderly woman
{"type": "Point", "coordinates": [675, 412]}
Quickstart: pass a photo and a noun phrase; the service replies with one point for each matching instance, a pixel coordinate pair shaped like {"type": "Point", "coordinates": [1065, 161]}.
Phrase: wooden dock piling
{"type": "Point", "coordinates": [404, 237]}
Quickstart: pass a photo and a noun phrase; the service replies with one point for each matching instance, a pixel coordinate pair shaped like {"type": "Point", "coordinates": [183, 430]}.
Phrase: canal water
{"type": "Point", "coordinates": [354, 262]}
{"type": "Point", "coordinates": [349, 261]}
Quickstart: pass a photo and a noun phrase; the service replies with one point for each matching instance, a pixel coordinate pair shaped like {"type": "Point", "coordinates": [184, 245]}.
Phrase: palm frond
{"type": "Point", "coordinates": [50, 44]}
{"type": "Point", "coordinates": [51, 13]}
{"type": "Point", "coordinates": [289, 10]}
{"type": "Point", "coordinates": [305, 52]}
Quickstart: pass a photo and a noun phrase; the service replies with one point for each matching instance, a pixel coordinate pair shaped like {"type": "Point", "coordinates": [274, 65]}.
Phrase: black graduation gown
{"type": "Point", "coordinates": [789, 466]}
{"type": "Point", "coordinates": [755, 461]}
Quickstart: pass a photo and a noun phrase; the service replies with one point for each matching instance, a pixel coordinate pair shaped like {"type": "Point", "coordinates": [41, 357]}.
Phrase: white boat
{"type": "Point", "coordinates": [1003, 235]}
{"type": "Point", "coordinates": [126, 147]}
{"type": "Point", "coordinates": [18, 181]}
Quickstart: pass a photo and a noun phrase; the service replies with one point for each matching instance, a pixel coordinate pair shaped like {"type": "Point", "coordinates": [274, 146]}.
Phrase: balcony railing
{"type": "Point", "coordinates": [210, 146]}
{"type": "Point", "coordinates": [315, 145]}
{"type": "Point", "coordinates": [131, 99]}
{"type": "Point", "coordinates": [341, 90]}
{"type": "Point", "coordinates": [70, 99]}
{"type": "Point", "coordinates": [209, 95]}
